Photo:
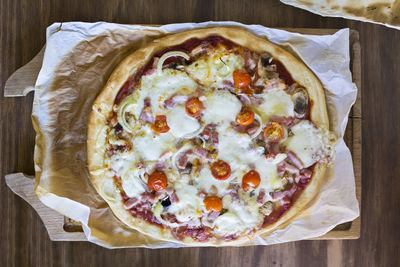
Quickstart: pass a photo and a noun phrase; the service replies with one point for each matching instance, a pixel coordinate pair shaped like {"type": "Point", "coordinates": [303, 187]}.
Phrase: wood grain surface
{"type": "Point", "coordinates": [24, 241]}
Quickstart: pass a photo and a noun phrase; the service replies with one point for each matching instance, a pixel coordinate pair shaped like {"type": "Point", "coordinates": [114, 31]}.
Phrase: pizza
{"type": "Point", "coordinates": [211, 136]}
{"type": "Point", "coordinates": [379, 11]}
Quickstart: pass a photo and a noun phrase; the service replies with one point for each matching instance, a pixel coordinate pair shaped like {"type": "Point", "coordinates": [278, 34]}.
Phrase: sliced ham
{"type": "Point", "coordinates": [277, 195]}
{"type": "Point", "coordinates": [214, 138]}
{"type": "Point", "coordinates": [212, 216]}
{"type": "Point", "coordinates": [251, 60]}
{"type": "Point", "coordinates": [244, 99]}
{"type": "Point", "coordinates": [175, 99]}
{"type": "Point", "coordinates": [261, 196]}
{"type": "Point", "coordinates": [183, 159]}
{"type": "Point", "coordinates": [295, 160]}
{"type": "Point", "coordinates": [229, 86]}
{"type": "Point", "coordinates": [170, 218]}
{"type": "Point", "coordinates": [130, 203]}
{"type": "Point", "coordinates": [201, 152]}
{"type": "Point", "coordinates": [147, 114]}
{"type": "Point", "coordinates": [286, 121]}
{"type": "Point", "coordinates": [288, 167]}
{"type": "Point", "coordinates": [306, 172]}
{"type": "Point", "coordinates": [173, 197]}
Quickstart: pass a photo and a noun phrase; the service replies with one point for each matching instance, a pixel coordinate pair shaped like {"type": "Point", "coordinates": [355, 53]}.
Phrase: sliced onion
{"type": "Point", "coordinates": [258, 118]}
{"type": "Point", "coordinates": [175, 156]}
{"type": "Point", "coordinates": [168, 55]}
{"type": "Point", "coordinates": [109, 196]}
{"type": "Point", "coordinates": [126, 103]}
{"type": "Point", "coordinates": [195, 133]}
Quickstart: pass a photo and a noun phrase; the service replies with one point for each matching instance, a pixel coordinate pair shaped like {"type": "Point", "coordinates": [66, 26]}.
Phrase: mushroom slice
{"type": "Point", "coordinates": [265, 69]}
{"type": "Point", "coordinates": [300, 100]}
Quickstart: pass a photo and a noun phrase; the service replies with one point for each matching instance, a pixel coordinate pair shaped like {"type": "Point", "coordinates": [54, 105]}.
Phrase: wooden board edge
{"type": "Point", "coordinates": [23, 186]}
{"type": "Point", "coordinates": [23, 80]}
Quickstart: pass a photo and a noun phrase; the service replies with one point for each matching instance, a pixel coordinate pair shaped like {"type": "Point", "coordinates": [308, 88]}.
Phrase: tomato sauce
{"type": "Point", "coordinates": [283, 73]}
{"type": "Point", "coordinates": [280, 211]}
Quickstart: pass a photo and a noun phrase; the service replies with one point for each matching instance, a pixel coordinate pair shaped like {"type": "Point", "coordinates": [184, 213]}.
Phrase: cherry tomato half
{"type": "Point", "coordinates": [274, 132]}
{"type": "Point", "coordinates": [160, 124]}
{"type": "Point", "coordinates": [250, 179]}
{"type": "Point", "coordinates": [245, 117]}
{"type": "Point", "coordinates": [220, 170]}
{"type": "Point", "coordinates": [213, 203]}
{"type": "Point", "coordinates": [241, 78]}
{"type": "Point", "coordinates": [194, 107]}
{"type": "Point", "coordinates": [157, 181]}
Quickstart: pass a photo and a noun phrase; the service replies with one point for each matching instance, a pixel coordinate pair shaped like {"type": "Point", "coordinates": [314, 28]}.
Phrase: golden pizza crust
{"type": "Point", "coordinates": [104, 102]}
{"type": "Point", "coordinates": [380, 11]}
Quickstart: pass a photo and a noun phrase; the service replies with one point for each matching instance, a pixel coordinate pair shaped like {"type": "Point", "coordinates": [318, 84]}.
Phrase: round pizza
{"type": "Point", "coordinates": [210, 136]}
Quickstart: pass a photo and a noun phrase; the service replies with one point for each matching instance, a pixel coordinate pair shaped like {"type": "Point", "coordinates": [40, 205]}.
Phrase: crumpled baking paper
{"type": "Point", "coordinates": [78, 60]}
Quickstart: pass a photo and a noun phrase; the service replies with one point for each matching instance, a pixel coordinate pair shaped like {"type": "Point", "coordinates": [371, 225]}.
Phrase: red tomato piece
{"type": "Point", "coordinates": [194, 107]}
{"type": "Point", "coordinates": [160, 124]}
{"type": "Point", "coordinates": [157, 181]}
{"type": "Point", "coordinates": [220, 170]}
{"type": "Point", "coordinates": [274, 132]}
{"type": "Point", "coordinates": [213, 203]}
{"type": "Point", "coordinates": [250, 179]}
{"type": "Point", "coordinates": [241, 78]}
{"type": "Point", "coordinates": [245, 117]}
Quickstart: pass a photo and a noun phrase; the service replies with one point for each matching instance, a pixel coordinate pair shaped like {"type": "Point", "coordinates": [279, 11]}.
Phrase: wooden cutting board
{"type": "Point", "coordinates": [61, 228]}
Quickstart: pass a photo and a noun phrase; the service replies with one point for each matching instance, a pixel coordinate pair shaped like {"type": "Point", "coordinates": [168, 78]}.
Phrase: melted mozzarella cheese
{"type": "Point", "coordinates": [189, 205]}
{"type": "Point", "coordinates": [239, 218]}
{"type": "Point", "coordinates": [122, 162]}
{"type": "Point", "coordinates": [275, 102]}
{"type": "Point", "coordinates": [131, 183]}
{"type": "Point", "coordinates": [235, 148]}
{"type": "Point", "coordinates": [206, 180]}
{"type": "Point", "coordinates": [306, 142]}
{"type": "Point", "coordinates": [221, 107]}
{"type": "Point", "coordinates": [150, 145]}
{"type": "Point", "coordinates": [180, 123]}
{"type": "Point", "coordinates": [108, 189]}
{"type": "Point", "coordinates": [158, 88]}
{"type": "Point", "coordinates": [212, 70]}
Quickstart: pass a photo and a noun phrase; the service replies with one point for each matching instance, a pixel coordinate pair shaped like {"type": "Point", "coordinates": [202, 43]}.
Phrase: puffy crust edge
{"type": "Point", "coordinates": [102, 107]}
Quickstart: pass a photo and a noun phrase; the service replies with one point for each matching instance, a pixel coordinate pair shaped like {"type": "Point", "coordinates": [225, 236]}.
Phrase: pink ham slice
{"type": "Point", "coordinates": [284, 166]}
{"type": "Point", "coordinates": [175, 99]}
{"type": "Point", "coordinates": [295, 160]}
{"type": "Point", "coordinates": [277, 195]}
{"type": "Point", "coordinates": [261, 196]}
{"type": "Point", "coordinates": [147, 114]}
{"type": "Point", "coordinates": [130, 203]}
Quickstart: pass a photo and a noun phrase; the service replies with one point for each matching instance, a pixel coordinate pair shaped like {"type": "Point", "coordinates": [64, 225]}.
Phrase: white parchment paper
{"type": "Point", "coordinates": [60, 153]}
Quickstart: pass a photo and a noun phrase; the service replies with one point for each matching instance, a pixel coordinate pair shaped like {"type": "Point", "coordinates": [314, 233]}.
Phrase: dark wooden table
{"type": "Point", "coordinates": [24, 241]}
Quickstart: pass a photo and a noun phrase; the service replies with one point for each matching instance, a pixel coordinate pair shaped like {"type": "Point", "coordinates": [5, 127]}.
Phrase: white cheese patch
{"type": "Point", "coordinates": [189, 205]}
{"type": "Point", "coordinates": [206, 180]}
{"type": "Point", "coordinates": [239, 218]}
{"type": "Point", "coordinates": [306, 142]}
{"type": "Point", "coordinates": [212, 70]}
{"type": "Point", "coordinates": [131, 183]}
{"type": "Point", "coordinates": [275, 102]}
{"type": "Point", "coordinates": [158, 88]}
{"type": "Point", "coordinates": [234, 148]}
{"type": "Point", "coordinates": [150, 145]}
{"type": "Point", "coordinates": [221, 107]}
{"type": "Point", "coordinates": [122, 162]}
{"type": "Point", "coordinates": [180, 123]}
{"type": "Point", "coordinates": [108, 189]}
